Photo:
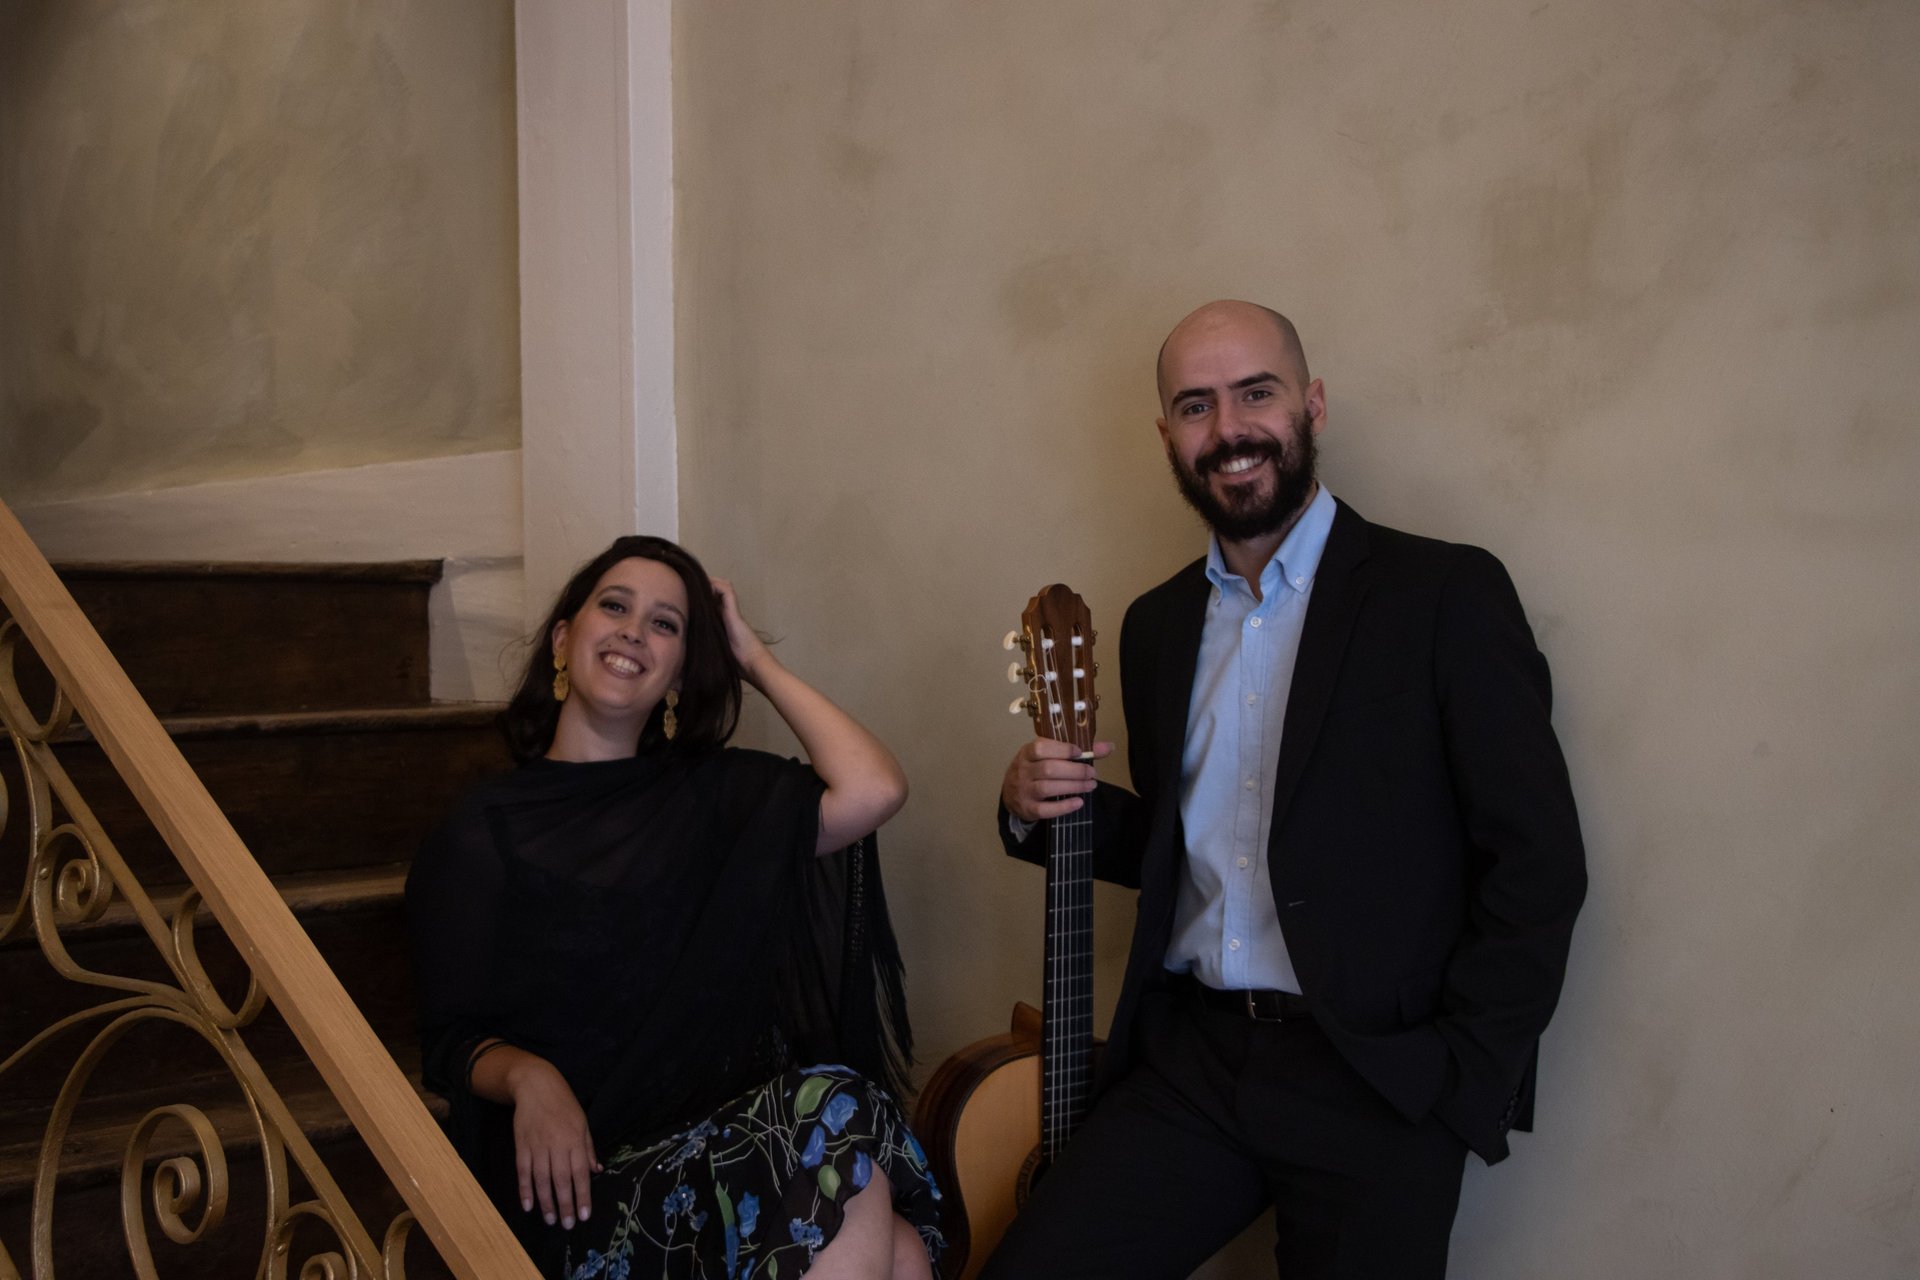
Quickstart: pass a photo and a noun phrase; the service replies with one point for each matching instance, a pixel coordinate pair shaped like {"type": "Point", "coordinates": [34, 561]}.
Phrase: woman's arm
{"type": "Point", "coordinates": [865, 784]}
{"type": "Point", "coordinates": [552, 1147]}
{"type": "Point", "coordinates": [456, 895]}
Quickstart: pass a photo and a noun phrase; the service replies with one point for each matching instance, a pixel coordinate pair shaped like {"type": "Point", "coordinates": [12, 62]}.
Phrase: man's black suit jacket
{"type": "Point", "coordinates": [1425, 854]}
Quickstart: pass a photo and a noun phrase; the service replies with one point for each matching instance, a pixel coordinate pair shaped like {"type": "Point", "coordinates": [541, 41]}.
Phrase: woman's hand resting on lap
{"type": "Point", "coordinates": [552, 1146]}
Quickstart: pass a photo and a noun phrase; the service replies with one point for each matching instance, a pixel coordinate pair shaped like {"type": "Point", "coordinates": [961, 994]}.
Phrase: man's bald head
{"type": "Point", "coordinates": [1230, 312]}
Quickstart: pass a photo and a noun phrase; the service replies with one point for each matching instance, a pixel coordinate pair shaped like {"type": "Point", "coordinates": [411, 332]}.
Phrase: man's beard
{"type": "Point", "coordinates": [1241, 517]}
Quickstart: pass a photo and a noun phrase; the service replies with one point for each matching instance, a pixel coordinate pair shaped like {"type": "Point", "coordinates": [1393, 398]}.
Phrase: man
{"type": "Point", "coordinates": [1357, 855]}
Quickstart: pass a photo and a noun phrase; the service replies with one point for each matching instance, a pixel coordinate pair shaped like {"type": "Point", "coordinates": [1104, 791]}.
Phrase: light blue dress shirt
{"type": "Point", "coordinates": [1226, 929]}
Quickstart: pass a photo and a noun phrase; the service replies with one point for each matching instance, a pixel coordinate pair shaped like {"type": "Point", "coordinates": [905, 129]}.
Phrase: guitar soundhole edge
{"type": "Point", "coordinates": [1032, 1170]}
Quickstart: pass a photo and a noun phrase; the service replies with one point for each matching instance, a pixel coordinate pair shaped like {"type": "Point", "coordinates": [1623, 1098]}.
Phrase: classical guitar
{"type": "Point", "coordinates": [996, 1114]}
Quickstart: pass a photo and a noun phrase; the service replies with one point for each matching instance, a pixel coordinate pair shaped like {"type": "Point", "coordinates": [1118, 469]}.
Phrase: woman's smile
{"type": "Point", "coordinates": [621, 665]}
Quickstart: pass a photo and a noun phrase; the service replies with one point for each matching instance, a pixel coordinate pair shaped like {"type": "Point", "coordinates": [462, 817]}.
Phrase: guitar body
{"type": "Point", "coordinates": [979, 1118]}
{"type": "Point", "coordinates": [996, 1114]}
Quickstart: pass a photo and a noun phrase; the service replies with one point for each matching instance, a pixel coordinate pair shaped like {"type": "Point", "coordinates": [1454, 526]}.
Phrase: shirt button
{"type": "Point", "coordinates": [1249, 784]}
{"type": "Point", "coordinates": [1299, 582]}
{"type": "Point", "coordinates": [1253, 622]}
{"type": "Point", "coordinates": [1252, 698]}
{"type": "Point", "coordinates": [1241, 862]}
{"type": "Point", "coordinates": [1233, 944]}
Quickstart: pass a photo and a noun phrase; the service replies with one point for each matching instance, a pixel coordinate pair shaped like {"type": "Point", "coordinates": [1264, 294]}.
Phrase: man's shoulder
{"type": "Point", "coordinates": [1425, 573]}
{"type": "Point", "coordinates": [1414, 553]}
{"type": "Point", "coordinates": [1189, 577]}
{"type": "Point", "coordinates": [1190, 581]}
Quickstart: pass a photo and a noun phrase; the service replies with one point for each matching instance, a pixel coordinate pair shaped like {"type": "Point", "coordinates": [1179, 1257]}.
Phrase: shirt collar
{"type": "Point", "coordinates": [1295, 561]}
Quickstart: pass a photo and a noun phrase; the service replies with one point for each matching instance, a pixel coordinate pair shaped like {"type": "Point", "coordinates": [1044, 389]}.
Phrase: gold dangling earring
{"type": "Point", "coordinates": [561, 684]}
{"type": "Point", "coordinates": [670, 723]}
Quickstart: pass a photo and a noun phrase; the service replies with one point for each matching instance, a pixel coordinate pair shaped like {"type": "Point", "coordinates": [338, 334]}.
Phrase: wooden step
{"type": "Point", "coordinates": [311, 894]}
{"type": "Point", "coordinates": [88, 1241]}
{"type": "Point", "coordinates": [354, 918]}
{"type": "Point", "coordinates": [309, 791]}
{"type": "Point", "coordinates": [97, 1139]}
{"type": "Point", "coordinates": [215, 638]}
{"type": "Point", "coordinates": [300, 696]}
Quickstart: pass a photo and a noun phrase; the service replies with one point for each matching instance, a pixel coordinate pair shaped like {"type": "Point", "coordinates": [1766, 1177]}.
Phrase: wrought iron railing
{"type": "Point", "coordinates": [73, 874]}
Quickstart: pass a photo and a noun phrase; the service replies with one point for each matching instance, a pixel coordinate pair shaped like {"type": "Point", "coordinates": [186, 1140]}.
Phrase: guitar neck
{"type": "Point", "coordinates": [1066, 1010]}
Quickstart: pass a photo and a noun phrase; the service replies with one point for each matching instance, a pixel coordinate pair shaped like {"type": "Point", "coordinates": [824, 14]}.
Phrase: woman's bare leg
{"type": "Point", "coordinates": [909, 1254]}
{"type": "Point", "coordinates": [863, 1248]}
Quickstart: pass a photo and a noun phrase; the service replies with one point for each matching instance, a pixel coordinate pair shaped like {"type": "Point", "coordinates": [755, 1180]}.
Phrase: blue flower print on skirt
{"type": "Point", "coordinates": [796, 1149]}
{"type": "Point", "coordinates": [806, 1233]}
{"type": "Point", "coordinates": [838, 1111]}
{"type": "Point", "coordinates": [816, 1149]}
{"type": "Point", "coordinates": [749, 1213]}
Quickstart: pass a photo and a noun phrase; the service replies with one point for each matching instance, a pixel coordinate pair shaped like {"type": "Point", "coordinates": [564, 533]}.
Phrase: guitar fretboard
{"type": "Point", "coordinates": [1066, 1022]}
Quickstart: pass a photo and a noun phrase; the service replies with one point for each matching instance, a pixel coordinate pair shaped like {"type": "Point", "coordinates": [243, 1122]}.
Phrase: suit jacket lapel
{"type": "Point", "coordinates": [1338, 588]}
{"type": "Point", "coordinates": [1187, 615]}
{"type": "Point", "coordinates": [1179, 652]}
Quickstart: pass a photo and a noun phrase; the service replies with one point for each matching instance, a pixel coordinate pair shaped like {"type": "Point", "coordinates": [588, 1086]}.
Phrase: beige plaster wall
{"type": "Point", "coordinates": [1628, 292]}
{"type": "Point", "coordinates": [243, 239]}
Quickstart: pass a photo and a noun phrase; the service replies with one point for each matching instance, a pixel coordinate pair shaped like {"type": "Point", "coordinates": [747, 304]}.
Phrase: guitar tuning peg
{"type": "Point", "coordinates": [1008, 642]}
{"type": "Point", "coordinates": [1017, 674]}
{"type": "Point", "coordinates": [1021, 707]}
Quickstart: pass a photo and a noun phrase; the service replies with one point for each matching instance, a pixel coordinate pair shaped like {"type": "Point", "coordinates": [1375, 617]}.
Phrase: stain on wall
{"type": "Point", "coordinates": [1626, 293]}
{"type": "Point", "coordinates": [249, 239]}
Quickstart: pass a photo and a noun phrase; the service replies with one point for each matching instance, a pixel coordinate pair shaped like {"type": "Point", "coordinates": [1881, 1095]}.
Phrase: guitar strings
{"type": "Point", "coordinates": [1057, 884]}
{"type": "Point", "coordinates": [1070, 896]}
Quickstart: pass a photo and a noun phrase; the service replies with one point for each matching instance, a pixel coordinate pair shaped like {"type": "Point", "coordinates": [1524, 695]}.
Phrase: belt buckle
{"type": "Point", "coordinates": [1253, 1012]}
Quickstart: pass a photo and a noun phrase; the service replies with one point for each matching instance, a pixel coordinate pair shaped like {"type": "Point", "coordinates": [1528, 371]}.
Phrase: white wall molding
{"type": "Point", "coordinates": [464, 510]}
{"type": "Point", "coordinates": [595, 109]}
{"type": "Point", "coordinates": [465, 505]}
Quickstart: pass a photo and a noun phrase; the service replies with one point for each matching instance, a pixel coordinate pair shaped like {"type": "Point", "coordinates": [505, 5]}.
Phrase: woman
{"type": "Point", "coordinates": [630, 949]}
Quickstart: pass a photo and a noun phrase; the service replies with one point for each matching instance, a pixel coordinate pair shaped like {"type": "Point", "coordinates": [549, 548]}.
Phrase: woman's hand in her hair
{"type": "Point", "coordinates": [865, 785]}
{"type": "Point", "coordinates": [749, 650]}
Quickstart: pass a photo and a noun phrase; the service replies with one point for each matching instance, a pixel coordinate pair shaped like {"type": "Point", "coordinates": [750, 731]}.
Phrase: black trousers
{"type": "Point", "coordinates": [1219, 1118]}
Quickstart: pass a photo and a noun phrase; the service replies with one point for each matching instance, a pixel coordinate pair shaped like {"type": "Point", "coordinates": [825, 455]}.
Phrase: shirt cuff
{"type": "Point", "coordinates": [1019, 830]}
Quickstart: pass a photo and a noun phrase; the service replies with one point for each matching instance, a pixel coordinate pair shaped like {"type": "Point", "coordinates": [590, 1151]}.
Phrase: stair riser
{"type": "Point", "coordinates": [366, 949]}
{"type": "Point", "coordinates": [300, 801]}
{"type": "Point", "coordinates": [89, 1243]}
{"type": "Point", "coordinates": [216, 645]}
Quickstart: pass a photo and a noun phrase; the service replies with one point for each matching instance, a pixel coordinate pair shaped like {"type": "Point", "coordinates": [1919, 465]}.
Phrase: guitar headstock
{"type": "Point", "coordinates": [1056, 637]}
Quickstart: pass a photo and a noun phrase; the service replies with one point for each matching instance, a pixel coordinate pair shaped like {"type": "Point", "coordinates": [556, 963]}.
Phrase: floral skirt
{"type": "Point", "coordinates": [754, 1191]}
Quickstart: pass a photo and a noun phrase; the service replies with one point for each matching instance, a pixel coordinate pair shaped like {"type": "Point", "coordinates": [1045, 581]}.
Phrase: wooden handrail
{"type": "Point", "coordinates": [403, 1136]}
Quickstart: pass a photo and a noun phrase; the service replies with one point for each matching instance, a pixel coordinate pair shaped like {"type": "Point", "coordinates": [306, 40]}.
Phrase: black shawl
{"type": "Point", "coordinates": [661, 930]}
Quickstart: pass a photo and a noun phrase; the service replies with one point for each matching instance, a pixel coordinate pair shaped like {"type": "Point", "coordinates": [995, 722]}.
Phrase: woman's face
{"type": "Point", "coordinates": [625, 647]}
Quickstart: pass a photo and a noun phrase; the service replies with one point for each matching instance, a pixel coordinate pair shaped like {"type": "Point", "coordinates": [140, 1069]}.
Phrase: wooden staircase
{"type": "Point", "coordinates": [299, 694]}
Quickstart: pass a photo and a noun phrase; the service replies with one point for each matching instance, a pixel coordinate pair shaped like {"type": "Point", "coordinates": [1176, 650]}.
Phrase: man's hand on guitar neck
{"type": "Point", "coordinates": [1048, 779]}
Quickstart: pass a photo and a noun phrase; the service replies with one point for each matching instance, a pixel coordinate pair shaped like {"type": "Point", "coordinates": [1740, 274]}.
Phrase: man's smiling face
{"type": "Point", "coordinates": [1239, 420]}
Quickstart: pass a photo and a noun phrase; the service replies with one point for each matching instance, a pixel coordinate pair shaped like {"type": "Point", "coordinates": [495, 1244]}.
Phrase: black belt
{"type": "Point", "coordinates": [1261, 1006]}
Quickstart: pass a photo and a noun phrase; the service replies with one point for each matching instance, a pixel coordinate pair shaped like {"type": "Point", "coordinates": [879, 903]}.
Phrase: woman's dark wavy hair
{"type": "Point", "coordinates": [709, 677]}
